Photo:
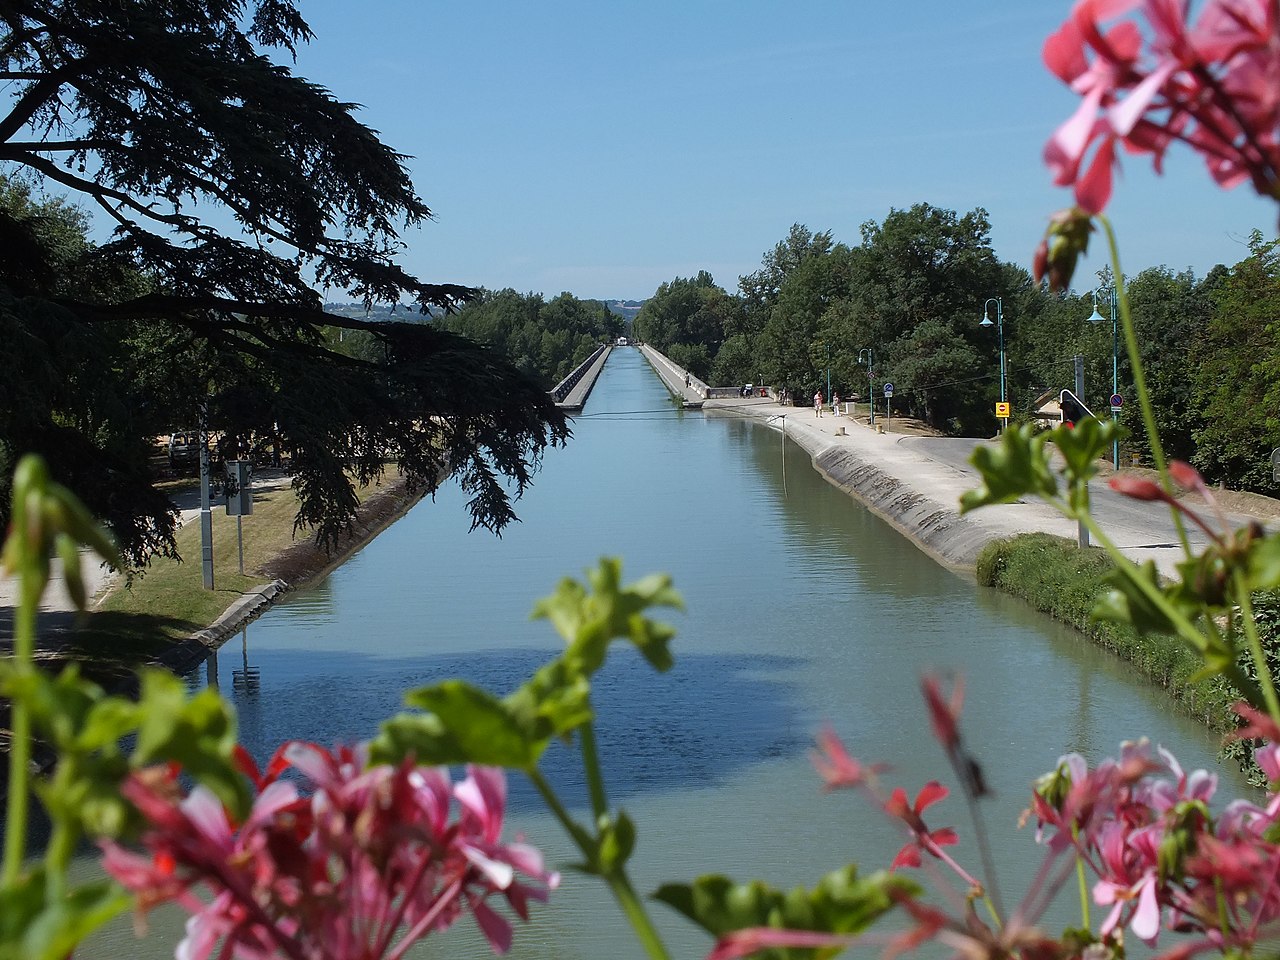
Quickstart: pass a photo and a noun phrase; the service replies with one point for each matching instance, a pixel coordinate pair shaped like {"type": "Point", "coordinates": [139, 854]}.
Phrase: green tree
{"type": "Point", "coordinates": [1236, 382]}
{"type": "Point", "coordinates": [1170, 313]}
{"type": "Point", "coordinates": [930, 265]}
{"type": "Point", "coordinates": [545, 339]}
{"type": "Point", "coordinates": [157, 113]}
{"type": "Point", "coordinates": [687, 319]}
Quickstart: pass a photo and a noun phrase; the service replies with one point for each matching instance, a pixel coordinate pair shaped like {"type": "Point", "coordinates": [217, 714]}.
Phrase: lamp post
{"type": "Point", "coordinates": [999, 325]}
{"type": "Point", "coordinates": [871, 402]}
{"type": "Point", "coordinates": [828, 346]}
{"type": "Point", "coordinates": [1096, 317]}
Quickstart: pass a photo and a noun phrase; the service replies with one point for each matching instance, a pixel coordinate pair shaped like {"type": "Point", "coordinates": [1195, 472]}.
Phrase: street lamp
{"type": "Point", "coordinates": [999, 325]}
{"type": "Point", "coordinates": [1096, 317]}
{"type": "Point", "coordinates": [828, 346]}
{"type": "Point", "coordinates": [871, 403]}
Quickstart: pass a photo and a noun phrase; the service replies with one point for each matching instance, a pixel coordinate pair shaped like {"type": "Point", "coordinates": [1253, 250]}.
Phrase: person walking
{"type": "Point", "coordinates": [835, 403]}
{"type": "Point", "coordinates": [817, 402]}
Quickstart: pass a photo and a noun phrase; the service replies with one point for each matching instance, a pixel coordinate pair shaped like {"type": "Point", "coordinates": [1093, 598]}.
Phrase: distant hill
{"type": "Point", "coordinates": [627, 309]}
{"type": "Point", "coordinates": [381, 312]}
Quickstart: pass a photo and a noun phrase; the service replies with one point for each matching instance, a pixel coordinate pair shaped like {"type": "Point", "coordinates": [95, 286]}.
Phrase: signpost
{"type": "Point", "coordinates": [888, 405]}
{"type": "Point", "coordinates": [239, 499]}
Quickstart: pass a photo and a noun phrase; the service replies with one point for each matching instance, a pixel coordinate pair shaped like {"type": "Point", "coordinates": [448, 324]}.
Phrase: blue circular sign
{"type": "Point", "coordinates": [888, 389]}
{"type": "Point", "coordinates": [1117, 400]}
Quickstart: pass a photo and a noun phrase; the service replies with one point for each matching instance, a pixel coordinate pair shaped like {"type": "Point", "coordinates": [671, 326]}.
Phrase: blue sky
{"type": "Point", "coordinates": [603, 148]}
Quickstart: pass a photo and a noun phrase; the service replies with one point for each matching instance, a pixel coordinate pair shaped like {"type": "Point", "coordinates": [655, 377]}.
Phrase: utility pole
{"type": "Point", "coordinates": [206, 517]}
{"type": "Point", "coordinates": [1082, 532]}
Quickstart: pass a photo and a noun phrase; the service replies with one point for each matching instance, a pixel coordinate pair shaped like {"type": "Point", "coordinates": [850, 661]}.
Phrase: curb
{"type": "Point", "coordinates": [193, 651]}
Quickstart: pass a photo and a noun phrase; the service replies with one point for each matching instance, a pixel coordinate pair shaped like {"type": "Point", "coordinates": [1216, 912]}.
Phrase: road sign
{"type": "Point", "coordinates": [1002, 410]}
{"type": "Point", "coordinates": [888, 389]}
{"type": "Point", "coordinates": [1117, 402]}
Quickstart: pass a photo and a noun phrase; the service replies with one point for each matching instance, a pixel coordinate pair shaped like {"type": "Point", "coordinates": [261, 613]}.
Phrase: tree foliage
{"type": "Point", "coordinates": [687, 319]}
{"type": "Point", "coordinates": [546, 339]}
{"type": "Point", "coordinates": [157, 115]}
{"type": "Point", "coordinates": [910, 297]}
{"type": "Point", "coordinates": [1236, 379]}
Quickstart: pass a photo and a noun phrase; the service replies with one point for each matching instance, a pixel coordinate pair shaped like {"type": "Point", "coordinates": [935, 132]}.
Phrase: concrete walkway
{"type": "Point", "coordinates": [915, 483]}
{"type": "Point", "coordinates": [677, 379]}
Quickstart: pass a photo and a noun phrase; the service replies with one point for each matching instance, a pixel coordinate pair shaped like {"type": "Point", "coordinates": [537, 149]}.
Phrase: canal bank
{"type": "Point", "coordinates": [916, 495]}
{"type": "Point", "coordinates": [305, 562]}
{"type": "Point", "coordinates": [915, 483]}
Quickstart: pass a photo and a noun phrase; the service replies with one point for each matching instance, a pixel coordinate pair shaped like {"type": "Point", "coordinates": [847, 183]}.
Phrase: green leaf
{"type": "Point", "coordinates": [199, 733]}
{"type": "Point", "coordinates": [588, 621]}
{"type": "Point", "coordinates": [1017, 467]}
{"type": "Point", "coordinates": [1083, 447]}
{"type": "Point", "coordinates": [1264, 563]}
{"type": "Point", "coordinates": [64, 924]}
{"type": "Point", "coordinates": [841, 903]}
{"type": "Point", "coordinates": [32, 929]}
{"type": "Point", "coordinates": [1131, 602]}
{"type": "Point", "coordinates": [554, 702]}
{"type": "Point", "coordinates": [462, 724]}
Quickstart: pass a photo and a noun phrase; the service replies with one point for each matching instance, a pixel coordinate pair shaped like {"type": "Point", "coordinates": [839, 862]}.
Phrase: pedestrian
{"type": "Point", "coordinates": [835, 403]}
{"type": "Point", "coordinates": [817, 402]}
{"type": "Point", "coordinates": [686, 378]}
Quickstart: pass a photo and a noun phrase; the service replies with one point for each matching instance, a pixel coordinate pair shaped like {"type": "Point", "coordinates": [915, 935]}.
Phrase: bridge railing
{"type": "Point", "coordinates": [561, 389]}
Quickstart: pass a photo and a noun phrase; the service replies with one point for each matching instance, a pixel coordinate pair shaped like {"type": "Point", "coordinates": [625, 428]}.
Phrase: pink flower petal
{"type": "Point", "coordinates": [498, 873]}
{"type": "Point", "coordinates": [1146, 919]}
{"type": "Point", "coordinates": [205, 812]}
{"type": "Point", "coordinates": [1093, 190]}
{"type": "Point", "coordinates": [495, 929]}
{"type": "Point", "coordinates": [1128, 111]}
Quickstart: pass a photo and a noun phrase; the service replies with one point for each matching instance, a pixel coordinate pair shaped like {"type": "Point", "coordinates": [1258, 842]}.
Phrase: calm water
{"type": "Point", "coordinates": [802, 609]}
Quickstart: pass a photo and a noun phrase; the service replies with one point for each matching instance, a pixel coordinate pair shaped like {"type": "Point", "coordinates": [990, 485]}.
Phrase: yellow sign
{"type": "Point", "coordinates": [1002, 411]}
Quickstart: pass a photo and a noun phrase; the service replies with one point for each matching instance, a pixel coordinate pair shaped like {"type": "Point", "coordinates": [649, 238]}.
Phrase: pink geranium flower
{"type": "Point", "coordinates": [1148, 79]}
{"type": "Point", "coordinates": [360, 868]}
{"type": "Point", "coordinates": [912, 815]}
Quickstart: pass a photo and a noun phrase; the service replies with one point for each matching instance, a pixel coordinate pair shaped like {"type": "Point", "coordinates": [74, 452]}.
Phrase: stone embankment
{"type": "Point", "coordinates": [915, 484]}
{"type": "Point", "coordinates": [918, 497]}
{"type": "Point", "coordinates": [302, 563]}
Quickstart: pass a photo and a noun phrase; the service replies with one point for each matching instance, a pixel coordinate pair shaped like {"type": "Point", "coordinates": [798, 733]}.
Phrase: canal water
{"type": "Point", "coordinates": [803, 610]}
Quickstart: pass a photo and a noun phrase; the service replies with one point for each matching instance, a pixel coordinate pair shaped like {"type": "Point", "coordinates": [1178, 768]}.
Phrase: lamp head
{"type": "Point", "coordinates": [1096, 317]}
{"type": "Point", "coordinates": [986, 320]}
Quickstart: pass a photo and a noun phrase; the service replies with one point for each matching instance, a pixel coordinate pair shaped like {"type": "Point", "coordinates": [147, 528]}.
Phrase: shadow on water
{"type": "Point", "coordinates": [695, 725]}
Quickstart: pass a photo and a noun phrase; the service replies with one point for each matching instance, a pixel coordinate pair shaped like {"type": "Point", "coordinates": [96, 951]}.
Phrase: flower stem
{"type": "Point", "coordinates": [591, 766]}
{"type": "Point", "coordinates": [1081, 882]}
{"type": "Point", "coordinates": [1183, 627]}
{"type": "Point", "coordinates": [580, 836]}
{"type": "Point", "coordinates": [619, 885]}
{"type": "Point", "coordinates": [24, 641]}
{"type": "Point", "coordinates": [631, 905]}
{"type": "Point", "coordinates": [1255, 647]}
{"type": "Point", "coordinates": [1140, 379]}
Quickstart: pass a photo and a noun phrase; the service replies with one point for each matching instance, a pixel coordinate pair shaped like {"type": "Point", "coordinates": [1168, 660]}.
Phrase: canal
{"type": "Point", "coordinates": [803, 609]}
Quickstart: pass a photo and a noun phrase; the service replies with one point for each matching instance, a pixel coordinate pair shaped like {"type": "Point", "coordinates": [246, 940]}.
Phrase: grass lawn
{"type": "Point", "coordinates": [172, 593]}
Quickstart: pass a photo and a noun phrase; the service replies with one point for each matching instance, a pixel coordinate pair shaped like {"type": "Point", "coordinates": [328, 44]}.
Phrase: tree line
{"type": "Point", "coordinates": [547, 339]}
{"type": "Point", "coordinates": [905, 305]}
